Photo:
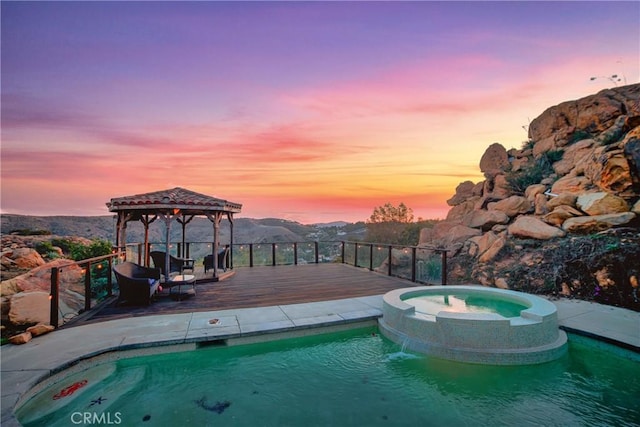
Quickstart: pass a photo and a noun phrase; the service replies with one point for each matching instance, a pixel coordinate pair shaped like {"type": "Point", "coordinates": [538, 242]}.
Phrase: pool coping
{"type": "Point", "coordinates": [24, 366]}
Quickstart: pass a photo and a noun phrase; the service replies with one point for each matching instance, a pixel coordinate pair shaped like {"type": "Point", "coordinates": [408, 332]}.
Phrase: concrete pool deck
{"type": "Point", "coordinates": [25, 365]}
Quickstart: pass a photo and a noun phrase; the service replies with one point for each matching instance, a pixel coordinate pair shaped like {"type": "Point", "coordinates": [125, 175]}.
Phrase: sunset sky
{"type": "Point", "coordinates": [308, 111]}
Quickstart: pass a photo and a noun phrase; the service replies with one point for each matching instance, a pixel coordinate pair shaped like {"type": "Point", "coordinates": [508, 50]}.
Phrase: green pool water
{"type": "Point", "coordinates": [353, 378]}
{"type": "Point", "coordinates": [465, 302]}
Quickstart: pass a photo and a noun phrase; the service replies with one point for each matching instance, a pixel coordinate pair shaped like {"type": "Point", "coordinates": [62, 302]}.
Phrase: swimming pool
{"type": "Point", "coordinates": [350, 378]}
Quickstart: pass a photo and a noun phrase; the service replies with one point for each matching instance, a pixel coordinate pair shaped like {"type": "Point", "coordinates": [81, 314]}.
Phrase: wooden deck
{"type": "Point", "coordinates": [262, 287]}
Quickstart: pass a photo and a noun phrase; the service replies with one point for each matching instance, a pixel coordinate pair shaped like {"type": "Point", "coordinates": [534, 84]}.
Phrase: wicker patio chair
{"type": "Point", "coordinates": [137, 283]}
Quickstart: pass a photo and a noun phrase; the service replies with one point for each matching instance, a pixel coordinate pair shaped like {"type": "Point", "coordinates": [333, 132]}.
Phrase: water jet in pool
{"type": "Point", "coordinates": [474, 324]}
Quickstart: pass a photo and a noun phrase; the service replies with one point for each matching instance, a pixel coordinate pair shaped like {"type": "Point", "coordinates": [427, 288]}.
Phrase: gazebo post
{"type": "Point", "coordinates": [215, 219]}
{"type": "Point", "coordinates": [145, 221]}
{"type": "Point", "coordinates": [117, 230]}
{"type": "Point", "coordinates": [121, 235]}
{"type": "Point", "coordinates": [184, 241]}
{"type": "Point", "coordinates": [230, 218]}
{"type": "Point", "coordinates": [167, 218]}
{"type": "Point", "coordinates": [184, 221]}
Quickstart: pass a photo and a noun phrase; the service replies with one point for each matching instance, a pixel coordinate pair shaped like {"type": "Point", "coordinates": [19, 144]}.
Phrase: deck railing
{"type": "Point", "coordinates": [93, 278]}
{"type": "Point", "coordinates": [89, 281]}
{"type": "Point", "coordinates": [416, 263]}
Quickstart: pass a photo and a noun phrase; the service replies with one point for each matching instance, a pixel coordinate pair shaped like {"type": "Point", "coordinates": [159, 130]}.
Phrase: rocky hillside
{"type": "Point", "coordinates": [560, 215]}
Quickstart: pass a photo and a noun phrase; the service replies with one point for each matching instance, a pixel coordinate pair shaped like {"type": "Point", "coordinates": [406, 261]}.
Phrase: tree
{"type": "Point", "coordinates": [389, 213]}
{"type": "Point", "coordinates": [389, 224]}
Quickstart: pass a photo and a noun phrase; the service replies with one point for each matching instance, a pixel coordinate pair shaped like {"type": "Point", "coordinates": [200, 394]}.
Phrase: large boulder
{"type": "Point", "coordinates": [31, 287]}
{"type": "Point", "coordinates": [440, 231]}
{"type": "Point", "coordinates": [493, 250]}
{"type": "Point", "coordinates": [458, 212]}
{"type": "Point", "coordinates": [632, 153]}
{"type": "Point", "coordinates": [479, 244]}
{"type": "Point", "coordinates": [484, 219]}
{"type": "Point", "coordinates": [28, 308]}
{"type": "Point", "coordinates": [601, 203]}
{"type": "Point", "coordinates": [555, 127]}
{"type": "Point", "coordinates": [597, 223]}
{"type": "Point", "coordinates": [533, 228]}
{"type": "Point", "coordinates": [494, 160]}
{"type": "Point", "coordinates": [560, 214]}
{"type": "Point", "coordinates": [426, 236]}
{"type": "Point", "coordinates": [572, 184]}
{"type": "Point", "coordinates": [566, 199]}
{"type": "Point", "coordinates": [534, 190]}
{"type": "Point", "coordinates": [512, 206]}
{"type": "Point", "coordinates": [609, 169]}
{"type": "Point", "coordinates": [39, 279]}
{"type": "Point", "coordinates": [464, 191]}
{"type": "Point", "coordinates": [615, 132]}
{"type": "Point", "coordinates": [26, 258]}
{"type": "Point", "coordinates": [457, 235]}
{"type": "Point", "coordinates": [540, 204]}
{"type": "Point", "coordinates": [574, 156]}
{"type": "Point", "coordinates": [496, 186]}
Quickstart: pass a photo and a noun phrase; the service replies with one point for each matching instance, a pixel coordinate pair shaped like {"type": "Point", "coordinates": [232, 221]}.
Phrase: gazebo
{"type": "Point", "coordinates": [176, 203]}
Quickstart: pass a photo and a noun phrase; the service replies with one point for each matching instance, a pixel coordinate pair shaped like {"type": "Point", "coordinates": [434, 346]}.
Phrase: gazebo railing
{"type": "Point", "coordinates": [419, 264]}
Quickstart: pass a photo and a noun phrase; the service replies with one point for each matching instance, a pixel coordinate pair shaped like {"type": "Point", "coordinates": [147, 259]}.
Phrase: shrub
{"type": "Point", "coordinates": [46, 250]}
{"type": "Point", "coordinates": [30, 232]}
{"type": "Point", "coordinates": [579, 135]}
{"type": "Point", "coordinates": [78, 251]}
{"type": "Point", "coordinates": [533, 172]}
{"type": "Point", "coordinates": [528, 144]}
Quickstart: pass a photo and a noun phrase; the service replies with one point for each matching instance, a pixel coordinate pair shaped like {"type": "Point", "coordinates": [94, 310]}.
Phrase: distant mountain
{"type": "Point", "coordinates": [332, 224]}
{"type": "Point", "coordinates": [246, 230]}
{"type": "Point", "coordinates": [102, 227]}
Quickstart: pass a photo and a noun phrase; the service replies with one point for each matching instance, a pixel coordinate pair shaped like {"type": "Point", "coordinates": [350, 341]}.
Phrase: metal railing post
{"type": "Point", "coordinates": [110, 278]}
{"type": "Point", "coordinates": [444, 267]}
{"type": "Point", "coordinates": [316, 250]}
{"type": "Point", "coordinates": [250, 254]}
{"type": "Point", "coordinates": [342, 251]}
{"type": "Point", "coordinates": [87, 287]}
{"type": "Point", "coordinates": [295, 253]}
{"type": "Point", "coordinates": [371, 257]}
{"type": "Point", "coordinates": [355, 256]}
{"type": "Point", "coordinates": [53, 296]}
{"type": "Point", "coordinates": [413, 264]}
{"type": "Point", "coordinates": [273, 254]}
{"type": "Point", "coordinates": [390, 248]}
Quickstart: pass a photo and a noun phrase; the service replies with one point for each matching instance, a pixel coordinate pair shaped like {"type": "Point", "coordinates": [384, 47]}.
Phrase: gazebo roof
{"type": "Point", "coordinates": [187, 201]}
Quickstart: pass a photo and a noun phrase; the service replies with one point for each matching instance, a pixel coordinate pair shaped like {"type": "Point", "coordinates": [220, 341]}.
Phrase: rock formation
{"type": "Point", "coordinates": [26, 284]}
{"type": "Point", "coordinates": [578, 175]}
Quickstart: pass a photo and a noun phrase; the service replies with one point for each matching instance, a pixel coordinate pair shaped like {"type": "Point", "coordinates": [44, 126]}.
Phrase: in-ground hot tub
{"type": "Point", "coordinates": [474, 324]}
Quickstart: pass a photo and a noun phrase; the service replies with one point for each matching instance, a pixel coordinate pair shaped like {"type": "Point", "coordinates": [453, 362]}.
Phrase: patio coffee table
{"type": "Point", "coordinates": [185, 284]}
